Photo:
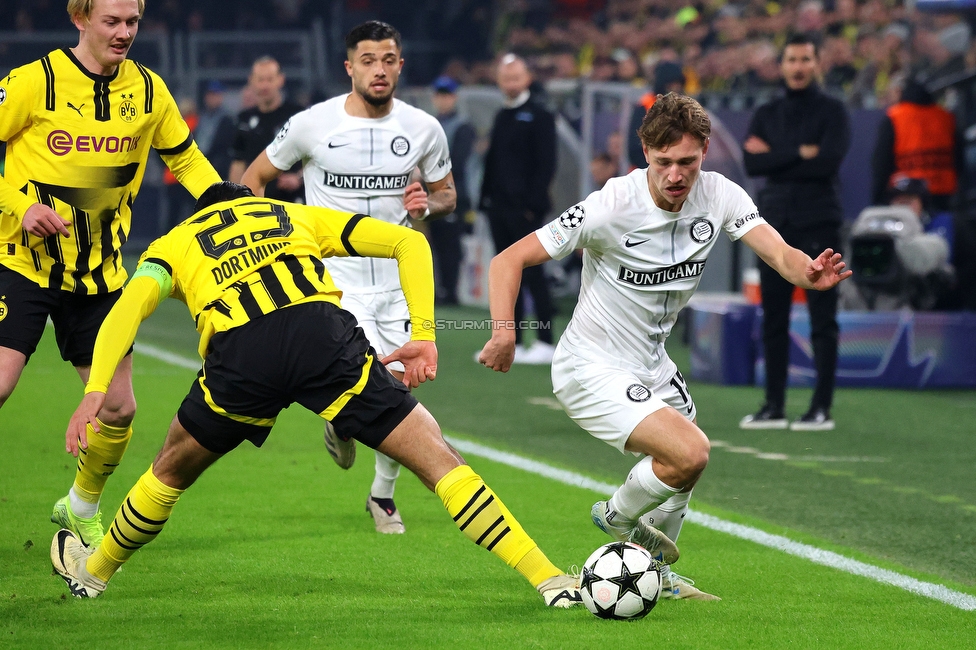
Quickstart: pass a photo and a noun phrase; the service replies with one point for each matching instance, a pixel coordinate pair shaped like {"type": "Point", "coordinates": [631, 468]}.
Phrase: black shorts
{"type": "Point", "coordinates": [313, 354]}
{"type": "Point", "coordinates": [25, 307]}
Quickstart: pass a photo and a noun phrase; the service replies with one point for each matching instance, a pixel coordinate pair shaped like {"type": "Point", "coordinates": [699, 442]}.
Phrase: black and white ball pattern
{"type": "Point", "coordinates": [620, 581]}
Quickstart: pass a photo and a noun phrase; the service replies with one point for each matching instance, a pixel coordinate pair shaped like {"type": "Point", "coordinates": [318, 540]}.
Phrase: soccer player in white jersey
{"type": "Point", "coordinates": [358, 152]}
{"type": "Point", "coordinates": [645, 238]}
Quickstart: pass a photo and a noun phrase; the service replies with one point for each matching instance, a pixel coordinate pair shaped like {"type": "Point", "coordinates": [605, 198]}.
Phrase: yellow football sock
{"type": "Point", "coordinates": [96, 464]}
{"type": "Point", "coordinates": [485, 520]}
{"type": "Point", "coordinates": [143, 514]}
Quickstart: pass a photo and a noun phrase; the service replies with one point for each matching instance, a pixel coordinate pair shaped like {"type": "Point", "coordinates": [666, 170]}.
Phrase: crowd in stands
{"type": "Point", "coordinates": [868, 46]}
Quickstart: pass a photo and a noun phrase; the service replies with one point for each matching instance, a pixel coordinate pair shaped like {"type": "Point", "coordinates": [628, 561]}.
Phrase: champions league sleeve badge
{"type": "Point", "coordinates": [572, 217]}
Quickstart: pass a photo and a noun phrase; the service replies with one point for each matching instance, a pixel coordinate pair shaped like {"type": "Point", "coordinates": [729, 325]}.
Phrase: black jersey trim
{"type": "Point", "coordinates": [103, 105]}
{"type": "Point", "coordinates": [180, 148]}
{"type": "Point", "coordinates": [83, 240]}
{"type": "Point", "coordinates": [344, 237]}
{"type": "Point", "coordinates": [101, 78]}
{"type": "Point", "coordinates": [147, 78]}
{"type": "Point", "coordinates": [49, 93]}
{"type": "Point", "coordinates": [294, 265]}
{"type": "Point", "coordinates": [247, 300]}
{"type": "Point", "coordinates": [162, 263]}
{"type": "Point", "coordinates": [273, 286]}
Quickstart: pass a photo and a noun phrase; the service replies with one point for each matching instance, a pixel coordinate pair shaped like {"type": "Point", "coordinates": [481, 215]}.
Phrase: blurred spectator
{"type": "Point", "coordinates": [837, 57]}
{"type": "Point", "coordinates": [258, 126]}
{"type": "Point", "coordinates": [602, 168]}
{"type": "Point", "coordinates": [798, 143]}
{"type": "Point", "coordinates": [918, 139]}
{"type": "Point", "coordinates": [519, 167]}
{"type": "Point", "coordinates": [668, 77]}
{"type": "Point", "coordinates": [215, 130]}
{"type": "Point", "coordinates": [445, 233]}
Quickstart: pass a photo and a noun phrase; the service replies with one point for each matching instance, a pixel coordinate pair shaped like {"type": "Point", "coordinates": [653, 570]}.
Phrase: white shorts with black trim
{"type": "Point", "coordinates": [609, 400]}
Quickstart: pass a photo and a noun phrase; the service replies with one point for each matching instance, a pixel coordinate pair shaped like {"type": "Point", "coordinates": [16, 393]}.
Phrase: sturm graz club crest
{"type": "Point", "coordinates": [573, 217]}
{"type": "Point", "coordinates": [638, 393]}
{"type": "Point", "coordinates": [400, 146]}
{"type": "Point", "coordinates": [701, 230]}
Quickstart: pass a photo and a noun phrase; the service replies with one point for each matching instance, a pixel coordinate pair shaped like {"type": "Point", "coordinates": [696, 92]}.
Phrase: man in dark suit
{"type": "Point", "coordinates": [519, 167]}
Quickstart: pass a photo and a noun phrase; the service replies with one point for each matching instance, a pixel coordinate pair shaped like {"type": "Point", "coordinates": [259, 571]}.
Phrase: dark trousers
{"type": "Point", "coordinates": [507, 227]}
{"type": "Point", "coordinates": [445, 239]}
{"type": "Point", "coordinates": [777, 296]}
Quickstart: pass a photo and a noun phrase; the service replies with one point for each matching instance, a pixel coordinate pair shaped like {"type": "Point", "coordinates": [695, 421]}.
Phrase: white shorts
{"type": "Point", "coordinates": [609, 401]}
{"type": "Point", "coordinates": [384, 318]}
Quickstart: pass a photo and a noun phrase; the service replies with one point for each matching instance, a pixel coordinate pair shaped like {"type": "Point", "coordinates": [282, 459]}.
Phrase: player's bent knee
{"type": "Point", "coordinates": [119, 414]}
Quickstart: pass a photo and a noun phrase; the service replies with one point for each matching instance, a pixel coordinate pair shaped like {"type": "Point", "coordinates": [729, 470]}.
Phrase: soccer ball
{"type": "Point", "coordinates": [620, 581]}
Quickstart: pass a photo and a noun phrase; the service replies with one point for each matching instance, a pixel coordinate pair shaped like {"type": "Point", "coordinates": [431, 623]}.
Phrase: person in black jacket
{"type": "Point", "coordinates": [519, 167]}
{"type": "Point", "coordinates": [798, 142]}
{"type": "Point", "coordinates": [258, 125]}
{"type": "Point", "coordinates": [445, 233]}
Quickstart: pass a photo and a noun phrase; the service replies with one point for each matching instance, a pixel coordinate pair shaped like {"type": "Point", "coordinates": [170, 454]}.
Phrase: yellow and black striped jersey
{"type": "Point", "coordinates": [78, 142]}
{"type": "Point", "coordinates": [241, 259]}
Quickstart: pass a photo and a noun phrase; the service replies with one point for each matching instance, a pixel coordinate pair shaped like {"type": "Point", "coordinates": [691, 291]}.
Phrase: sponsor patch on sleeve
{"type": "Point", "coordinates": [741, 221]}
{"type": "Point", "coordinates": [556, 235]}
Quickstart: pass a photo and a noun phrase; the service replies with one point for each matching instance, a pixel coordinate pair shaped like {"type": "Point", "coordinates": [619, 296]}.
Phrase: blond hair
{"type": "Point", "coordinates": [670, 118]}
{"type": "Point", "coordinates": [83, 8]}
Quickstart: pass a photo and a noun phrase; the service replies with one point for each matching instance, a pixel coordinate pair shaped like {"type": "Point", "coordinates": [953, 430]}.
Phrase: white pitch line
{"type": "Point", "coordinates": [830, 559]}
{"type": "Point", "coordinates": [819, 556]}
{"type": "Point", "coordinates": [168, 357]}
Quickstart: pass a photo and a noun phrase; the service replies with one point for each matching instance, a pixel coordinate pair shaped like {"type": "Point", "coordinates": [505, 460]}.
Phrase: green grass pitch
{"type": "Point", "coordinates": [273, 548]}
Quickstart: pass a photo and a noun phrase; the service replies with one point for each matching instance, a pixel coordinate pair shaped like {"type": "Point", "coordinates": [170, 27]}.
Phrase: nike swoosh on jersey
{"type": "Point", "coordinates": [336, 146]}
{"type": "Point", "coordinates": [629, 244]}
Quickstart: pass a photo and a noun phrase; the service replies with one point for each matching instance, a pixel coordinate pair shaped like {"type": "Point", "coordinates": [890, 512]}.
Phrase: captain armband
{"type": "Point", "coordinates": [159, 271]}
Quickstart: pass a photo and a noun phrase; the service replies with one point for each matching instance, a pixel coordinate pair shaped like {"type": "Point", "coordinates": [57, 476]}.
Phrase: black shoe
{"type": "Point", "coordinates": [816, 419]}
{"type": "Point", "coordinates": [768, 417]}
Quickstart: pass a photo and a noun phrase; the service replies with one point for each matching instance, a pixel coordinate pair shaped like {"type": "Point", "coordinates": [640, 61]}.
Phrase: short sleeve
{"type": "Point", "coordinates": [289, 145]}
{"type": "Point", "coordinates": [740, 212]}
{"type": "Point", "coordinates": [577, 227]}
{"type": "Point", "coordinates": [17, 97]}
{"type": "Point", "coordinates": [437, 163]}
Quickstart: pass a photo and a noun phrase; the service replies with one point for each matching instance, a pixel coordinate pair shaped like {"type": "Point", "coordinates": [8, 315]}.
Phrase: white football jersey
{"type": "Point", "coordinates": [641, 264]}
{"type": "Point", "coordinates": [362, 165]}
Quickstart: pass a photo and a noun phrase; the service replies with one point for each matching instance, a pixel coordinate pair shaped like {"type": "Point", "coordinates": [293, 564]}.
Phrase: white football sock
{"type": "Point", "coordinates": [669, 516]}
{"type": "Point", "coordinates": [80, 507]}
{"type": "Point", "coordinates": [384, 482]}
{"type": "Point", "coordinates": [641, 492]}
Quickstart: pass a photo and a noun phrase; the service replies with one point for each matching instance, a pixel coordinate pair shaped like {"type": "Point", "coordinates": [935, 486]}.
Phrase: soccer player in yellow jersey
{"type": "Point", "coordinates": [79, 124]}
{"type": "Point", "coordinates": [272, 333]}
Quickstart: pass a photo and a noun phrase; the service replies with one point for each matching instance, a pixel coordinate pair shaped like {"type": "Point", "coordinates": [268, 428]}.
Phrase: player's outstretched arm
{"type": "Point", "coordinates": [822, 273]}
{"type": "Point", "coordinates": [259, 173]}
{"type": "Point", "coordinates": [504, 280]}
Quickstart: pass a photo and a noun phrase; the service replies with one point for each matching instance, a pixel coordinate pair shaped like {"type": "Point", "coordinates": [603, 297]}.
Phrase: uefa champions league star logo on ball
{"type": "Point", "coordinates": [620, 581]}
{"type": "Point", "coordinates": [573, 217]}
